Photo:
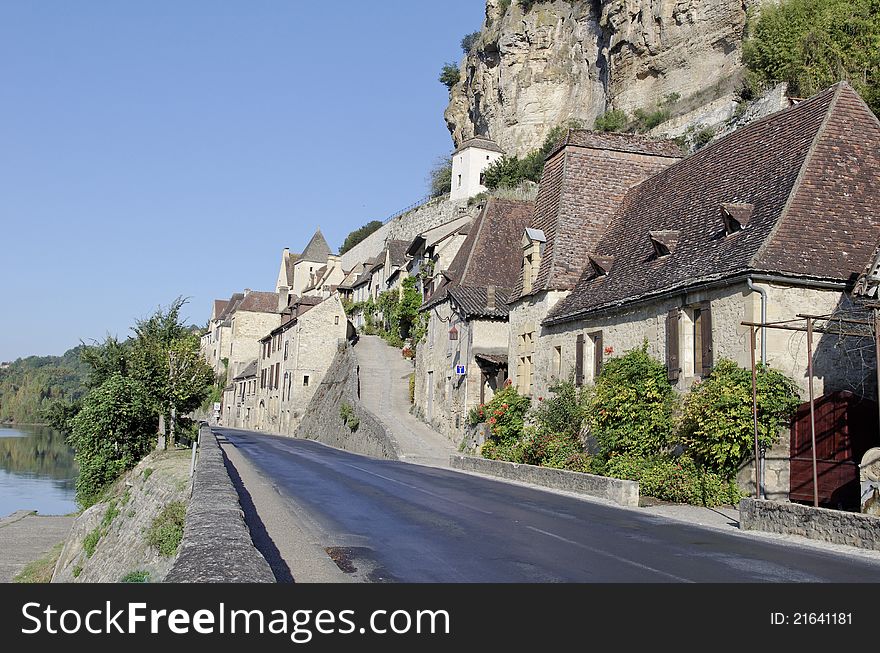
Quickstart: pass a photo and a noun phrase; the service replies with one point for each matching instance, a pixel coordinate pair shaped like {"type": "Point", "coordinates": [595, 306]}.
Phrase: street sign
{"type": "Point", "coordinates": [459, 369]}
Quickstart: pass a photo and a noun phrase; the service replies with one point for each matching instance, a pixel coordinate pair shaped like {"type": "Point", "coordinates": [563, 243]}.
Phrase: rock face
{"type": "Point", "coordinates": [532, 70]}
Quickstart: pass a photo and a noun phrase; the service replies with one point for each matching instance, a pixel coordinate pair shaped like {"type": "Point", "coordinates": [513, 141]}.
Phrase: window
{"type": "Point", "coordinates": [557, 362]}
{"type": "Point", "coordinates": [336, 320]}
{"type": "Point", "coordinates": [277, 374]}
{"type": "Point", "coordinates": [482, 179]}
{"type": "Point", "coordinates": [459, 181]}
{"type": "Point", "coordinates": [525, 368]}
{"type": "Point", "coordinates": [696, 340]}
{"type": "Point", "coordinates": [305, 380]}
{"type": "Point", "coordinates": [286, 343]}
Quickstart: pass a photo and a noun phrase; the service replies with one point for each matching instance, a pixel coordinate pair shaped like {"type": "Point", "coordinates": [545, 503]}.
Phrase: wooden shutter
{"type": "Point", "coordinates": [706, 337]}
{"type": "Point", "coordinates": [673, 365]}
{"type": "Point", "coordinates": [579, 361]}
{"type": "Point", "coordinates": [598, 354]}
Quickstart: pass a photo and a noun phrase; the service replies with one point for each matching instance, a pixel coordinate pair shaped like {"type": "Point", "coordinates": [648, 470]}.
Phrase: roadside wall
{"type": "Point", "coordinates": [624, 493]}
{"type": "Point", "coordinates": [323, 420]}
{"type": "Point", "coordinates": [833, 526]}
{"type": "Point", "coordinates": [217, 545]}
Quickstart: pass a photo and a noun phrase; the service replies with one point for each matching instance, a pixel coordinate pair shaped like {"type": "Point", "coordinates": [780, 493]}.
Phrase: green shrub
{"type": "Point", "coordinates": [440, 182]}
{"type": "Point", "coordinates": [674, 479]}
{"type": "Point", "coordinates": [112, 432]}
{"type": "Point", "coordinates": [557, 450]}
{"type": "Point", "coordinates": [564, 411]}
{"type": "Point", "coordinates": [90, 542]}
{"type": "Point", "coordinates": [148, 471]}
{"type": "Point", "coordinates": [507, 451]}
{"type": "Point", "coordinates": [77, 571]}
{"type": "Point", "coordinates": [349, 418]}
{"type": "Point", "coordinates": [357, 236]}
{"type": "Point", "coordinates": [166, 529]}
{"type": "Point", "coordinates": [412, 389]}
{"type": "Point", "coordinates": [505, 415]}
{"type": "Point", "coordinates": [469, 41]}
{"type": "Point", "coordinates": [630, 408]}
{"type": "Point", "coordinates": [615, 120]}
{"type": "Point", "coordinates": [136, 577]}
{"type": "Point", "coordinates": [647, 120]}
{"type": "Point", "coordinates": [703, 137]}
{"type": "Point", "coordinates": [717, 423]}
{"type": "Point", "coordinates": [449, 75]}
{"type": "Point", "coordinates": [510, 171]}
{"type": "Point", "coordinates": [811, 44]}
{"type": "Point", "coordinates": [109, 516]}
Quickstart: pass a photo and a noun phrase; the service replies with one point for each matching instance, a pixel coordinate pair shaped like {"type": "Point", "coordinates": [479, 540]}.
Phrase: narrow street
{"type": "Point", "coordinates": [388, 521]}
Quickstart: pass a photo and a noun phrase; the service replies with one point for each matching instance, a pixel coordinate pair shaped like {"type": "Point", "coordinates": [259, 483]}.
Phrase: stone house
{"type": "Point", "coordinates": [241, 409]}
{"type": "Point", "coordinates": [325, 280]}
{"type": "Point", "coordinates": [585, 178]}
{"type": "Point", "coordinates": [395, 264]}
{"type": "Point", "coordinates": [432, 251]}
{"type": "Point", "coordinates": [770, 222]}
{"type": "Point", "coordinates": [215, 343]}
{"type": "Point", "coordinates": [297, 270]}
{"type": "Point", "coordinates": [346, 286]}
{"type": "Point", "coordinates": [254, 316]}
{"type": "Point", "coordinates": [293, 359]}
{"type": "Point", "coordinates": [469, 162]}
{"type": "Point", "coordinates": [464, 358]}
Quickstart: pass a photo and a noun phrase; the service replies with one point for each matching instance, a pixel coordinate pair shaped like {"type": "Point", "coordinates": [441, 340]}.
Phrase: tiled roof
{"type": "Point", "coordinates": [231, 306]}
{"type": "Point", "coordinates": [489, 256]}
{"type": "Point", "coordinates": [317, 250]}
{"type": "Point", "coordinates": [433, 236]}
{"type": "Point", "coordinates": [247, 372]}
{"type": "Point", "coordinates": [582, 186]}
{"type": "Point", "coordinates": [259, 302]}
{"type": "Point", "coordinates": [219, 306]}
{"type": "Point", "coordinates": [479, 141]}
{"type": "Point", "coordinates": [397, 252]}
{"type": "Point", "coordinates": [811, 173]}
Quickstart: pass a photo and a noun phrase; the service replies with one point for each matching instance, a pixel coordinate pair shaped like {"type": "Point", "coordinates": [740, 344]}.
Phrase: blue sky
{"type": "Point", "coordinates": [156, 149]}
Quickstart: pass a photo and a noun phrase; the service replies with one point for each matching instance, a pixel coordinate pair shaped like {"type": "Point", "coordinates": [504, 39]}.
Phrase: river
{"type": "Point", "coordinates": [37, 471]}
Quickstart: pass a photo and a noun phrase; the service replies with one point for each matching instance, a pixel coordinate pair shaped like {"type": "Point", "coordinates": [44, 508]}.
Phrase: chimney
{"type": "Point", "coordinates": [490, 297]}
{"type": "Point", "coordinates": [283, 297]}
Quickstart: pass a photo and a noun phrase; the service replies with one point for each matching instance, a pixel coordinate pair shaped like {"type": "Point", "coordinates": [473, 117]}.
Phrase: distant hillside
{"type": "Point", "coordinates": [29, 385]}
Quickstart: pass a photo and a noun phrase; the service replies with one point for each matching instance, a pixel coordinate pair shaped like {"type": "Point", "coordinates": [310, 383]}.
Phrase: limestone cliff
{"type": "Point", "coordinates": [575, 59]}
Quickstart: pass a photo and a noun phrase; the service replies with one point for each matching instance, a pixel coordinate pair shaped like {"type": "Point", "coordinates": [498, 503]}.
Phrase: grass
{"type": "Point", "coordinates": [40, 571]}
{"type": "Point", "coordinates": [136, 577]}
{"type": "Point", "coordinates": [91, 542]}
{"type": "Point", "coordinates": [77, 571]}
{"type": "Point", "coordinates": [166, 530]}
{"type": "Point", "coordinates": [147, 472]}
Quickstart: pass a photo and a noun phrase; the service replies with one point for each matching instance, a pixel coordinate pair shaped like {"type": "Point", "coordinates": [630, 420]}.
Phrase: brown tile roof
{"type": "Point", "coordinates": [219, 306]}
{"type": "Point", "coordinates": [231, 305]}
{"type": "Point", "coordinates": [259, 302]}
{"type": "Point", "coordinates": [397, 252]}
{"type": "Point", "coordinates": [489, 256]}
{"type": "Point", "coordinates": [481, 142]}
{"type": "Point", "coordinates": [582, 186]}
{"type": "Point", "coordinates": [247, 372]}
{"type": "Point", "coordinates": [812, 174]}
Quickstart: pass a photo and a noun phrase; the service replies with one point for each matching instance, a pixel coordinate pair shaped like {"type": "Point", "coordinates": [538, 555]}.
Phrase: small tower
{"type": "Point", "coordinates": [469, 162]}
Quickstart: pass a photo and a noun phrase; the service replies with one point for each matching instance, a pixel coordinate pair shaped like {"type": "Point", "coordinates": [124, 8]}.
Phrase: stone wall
{"type": "Point", "coordinates": [406, 227]}
{"type": "Point", "coordinates": [624, 493]}
{"type": "Point", "coordinates": [833, 526]}
{"type": "Point", "coordinates": [217, 545]}
{"type": "Point", "coordinates": [323, 420]}
{"type": "Point", "coordinates": [247, 329]}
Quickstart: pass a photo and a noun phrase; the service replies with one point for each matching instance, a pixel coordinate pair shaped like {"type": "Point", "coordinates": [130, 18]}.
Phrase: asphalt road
{"type": "Point", "coordinates": [411, 523]}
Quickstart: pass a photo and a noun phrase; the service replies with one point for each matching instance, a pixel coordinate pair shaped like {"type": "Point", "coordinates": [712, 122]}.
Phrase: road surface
{"type": "Point", "coordinates": [410, 523]}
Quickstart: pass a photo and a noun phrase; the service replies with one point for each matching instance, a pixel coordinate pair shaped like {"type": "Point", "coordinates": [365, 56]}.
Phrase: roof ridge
{"type": "Point", "coordinates": [481, 219]}
{"type": "Point", "coordinates": [805, 166]}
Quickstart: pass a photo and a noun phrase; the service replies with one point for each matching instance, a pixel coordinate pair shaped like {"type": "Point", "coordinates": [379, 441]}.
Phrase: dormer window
{"type": "Point", "coordinates": [533, 247]}
{"type": "Point", "coordinates": [664, 242]}
{"type": "Point", "coordinates": [601, 264]}
{"type": "Point", "coordinates": [736, 216]}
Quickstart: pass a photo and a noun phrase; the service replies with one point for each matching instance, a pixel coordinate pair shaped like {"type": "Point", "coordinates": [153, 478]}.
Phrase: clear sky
{"type": "Point", "coordinates": [151, 149]}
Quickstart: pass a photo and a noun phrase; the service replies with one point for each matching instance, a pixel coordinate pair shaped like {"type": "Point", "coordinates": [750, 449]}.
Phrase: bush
{"type": "Point", "coordinates": [615, 120]}
{"type": "Point", "coordinates": [449, 75]}
{"type": "Point", "coordinates": [90, 542]}
{"type": "Point", "coordinates": [112, 432]}
{"type": "Point", "coordinates": [717, 423]}
{"type": "Point", "coordinates": [440, 182]}
{"type": "Point", "coordinates": [469, 41]}
{"type": "Point", "coordinates": [557, 450]}
{"type": "Point", "coordinates": [811, 44]}
{"type": "Point", "coordinates": [674, 479]}
{"type": "Point", "coordinates": [630, 408]}
{"type": "Point", "coordinates": [647, 120]}
{"type": "Point", "coordinates": [565, 411]}
{"type": "Point", "coordinates": [166, 530]}
{"type": "Point", "coordinates": [136, 577]}
{"type": "Point", "coordinates": [509, 172]}
{"type": "Point", "coordinates": [505, 415]}
{"type": "Point", "coordinates": [412, 388]}
{"type": "Point", "coordinates": [351, 421]}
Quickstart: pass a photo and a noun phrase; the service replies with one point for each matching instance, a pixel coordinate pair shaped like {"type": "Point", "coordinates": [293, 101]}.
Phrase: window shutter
{"type": "Point", "coordinates": [706, 336]}
{"type": "Point", "coordinates": [579, 361]}
{"type": "Point", "coordinates": [598, 354]}
{"type": "Point", "coordinates": [673, 365]}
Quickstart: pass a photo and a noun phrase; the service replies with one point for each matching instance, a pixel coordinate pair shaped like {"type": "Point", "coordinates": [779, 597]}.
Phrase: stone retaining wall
{"type": "Point", "coordinates": [624, 493]}
{"type": "Point", "coordinates": [323, 420]}
{"type": "Point", "coordinates": [217, 545]}
{"type": "Point", "coordinates": [833, 526]}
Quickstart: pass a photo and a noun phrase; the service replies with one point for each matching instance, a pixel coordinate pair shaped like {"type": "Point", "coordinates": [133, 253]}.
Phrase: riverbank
{"type": "Point", "coordinates": [26, 536]}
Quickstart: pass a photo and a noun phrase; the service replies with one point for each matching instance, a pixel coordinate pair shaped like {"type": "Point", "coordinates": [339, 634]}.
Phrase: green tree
{"type": "Point", "coordinates": [450, 75]}
{"type": "Point", "coordinates": [358, 235]}
{"type": "Point", "coordinates": [469, 41]}
{"type": "Point", "coordinates": [811, 44]}
{"type": "Point", "coordinates": [615, 120]}
{"type": "Point", "coordinates": [111, 433]}
{"type": "Point", "coordinates": [441, 177]}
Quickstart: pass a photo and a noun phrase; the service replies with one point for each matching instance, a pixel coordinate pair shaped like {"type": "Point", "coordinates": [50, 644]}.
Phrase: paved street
{"type": "Point", "coordinates": [401, 522]}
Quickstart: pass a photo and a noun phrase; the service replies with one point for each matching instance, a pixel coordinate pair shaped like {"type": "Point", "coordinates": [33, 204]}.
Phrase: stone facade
{"type": "Point", "coordinates": [247, 328]}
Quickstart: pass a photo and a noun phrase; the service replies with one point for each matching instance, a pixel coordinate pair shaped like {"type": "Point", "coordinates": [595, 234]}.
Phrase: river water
{"type": "Point", "coordinates": [37, 471]}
